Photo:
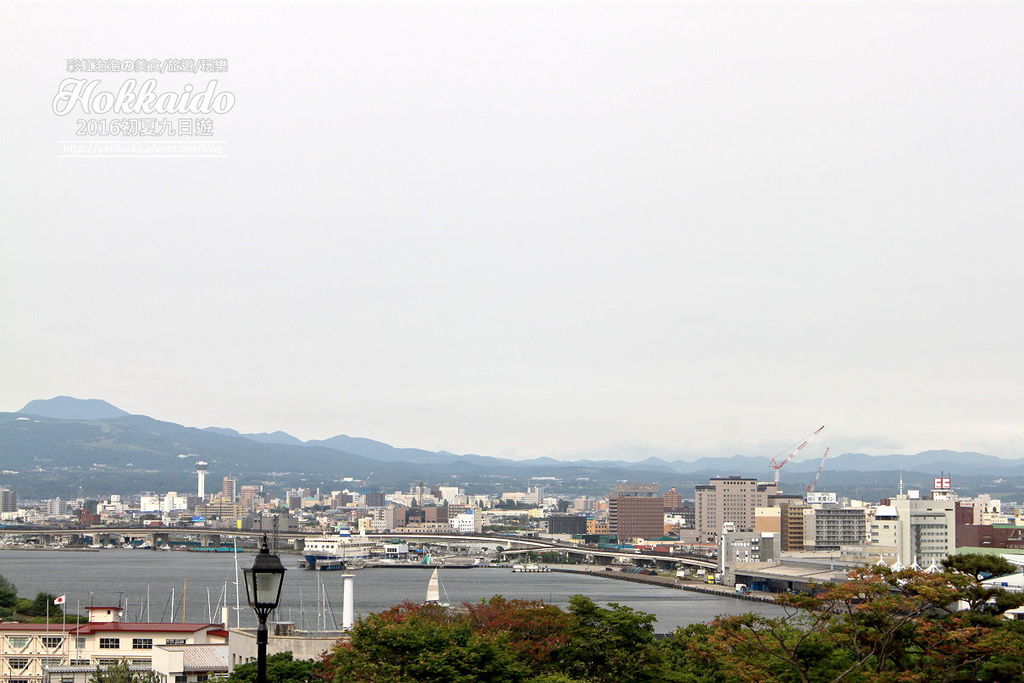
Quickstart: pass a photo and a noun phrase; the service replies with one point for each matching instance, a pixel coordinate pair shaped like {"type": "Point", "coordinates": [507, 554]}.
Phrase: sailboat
{"type": "Point", "coordinates": [434, 591]}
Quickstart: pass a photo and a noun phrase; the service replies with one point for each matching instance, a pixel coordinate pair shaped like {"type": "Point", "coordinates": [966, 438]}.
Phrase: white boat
{"type": "Point", "coordinates": [336, 549]}
{"type": "Point", "coordinates": [434, 591]}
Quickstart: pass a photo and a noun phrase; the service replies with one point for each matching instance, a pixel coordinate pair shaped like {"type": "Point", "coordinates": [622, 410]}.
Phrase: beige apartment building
{"type": "Point", "coordinates": [728, 500]}
{"type": "Point", "coordinates": [70, 653]}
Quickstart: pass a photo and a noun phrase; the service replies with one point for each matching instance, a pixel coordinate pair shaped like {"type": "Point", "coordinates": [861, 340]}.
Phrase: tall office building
{"type": "Point", "coordinates": [8, 500]}
{"type": "Point", "coordinates": [792, 522]}
{"type": "Point", "coordinates": [835, 527]}
{"type": "Point", "coordinates": [925, 530]}
{"type": "Point", "coordinates": [728, 500]}
{"type": "Point", "coordinates": [636, 511]}
{"type": "Point", "coordinates": [229, 489]}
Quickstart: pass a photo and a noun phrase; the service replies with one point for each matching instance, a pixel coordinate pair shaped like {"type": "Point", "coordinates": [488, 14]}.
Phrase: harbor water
{"type": "Point", "coordinates": [127, 577]}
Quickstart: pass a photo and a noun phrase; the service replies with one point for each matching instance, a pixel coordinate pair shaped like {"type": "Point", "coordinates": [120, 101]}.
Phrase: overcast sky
{"type": "Point", "coordinates": [535, 228]}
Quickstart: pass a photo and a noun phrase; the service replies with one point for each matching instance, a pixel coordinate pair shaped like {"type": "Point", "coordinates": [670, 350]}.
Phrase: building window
{"type": "Point", "coordinates": [79, 643]}
{"type": "Point", "coordinates": [18, 663]}
{"type": "Point", "coordinates": [142, 643]}
{"type": "Point", "coordinates": [142, 662]}
{"type": "Point", "coordinates": [108, 662]}
{"type": "Point", "coordinates": [174, 641]}
{"type": "Point", "coordinates": [201, 677]}
{"type": "Point", "coordinates": [51, 661]}
{"type": "Point", "coordinates": [52, 641]}
{"type": "Point", "coordinates": [180, 679]}
{"type": "Point", "coordinates": [110, 643]}
{"type": "Point", "coordinates": [17, 642]}
{"type": "Point", "coordinates": [79, 662]}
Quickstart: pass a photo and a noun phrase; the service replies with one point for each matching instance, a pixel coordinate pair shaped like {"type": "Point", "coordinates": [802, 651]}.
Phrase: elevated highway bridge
{"type": "Point", "coordinates": [296, 539]}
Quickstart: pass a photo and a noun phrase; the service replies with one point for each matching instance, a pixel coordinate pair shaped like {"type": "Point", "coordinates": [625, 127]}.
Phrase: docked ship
{"type": "Point", "coordinates": [337, 551]}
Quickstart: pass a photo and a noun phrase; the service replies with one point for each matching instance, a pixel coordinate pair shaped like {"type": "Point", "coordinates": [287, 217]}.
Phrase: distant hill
{"type": "Point", "coordinates": [69, 408]}
{"type": "Point", "coordinates": [368, 448]}
{"type": "Point", "coordinates": [263, 437]}
{"type": "Point", "coordinates": [73, 445]}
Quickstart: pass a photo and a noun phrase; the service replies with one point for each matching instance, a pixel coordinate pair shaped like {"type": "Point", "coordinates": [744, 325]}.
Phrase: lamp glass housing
{"type": "Point", "coordinates": [263, 582]}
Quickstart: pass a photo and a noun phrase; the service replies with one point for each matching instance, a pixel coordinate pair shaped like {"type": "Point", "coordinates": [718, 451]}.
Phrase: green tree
{"type": "Point", "coordinates": [38, 606]}
{"type": "Point", "coordinates": [8, 593]}
{"type": "Point", "coordinates": [120, 673]}
{"type": "Point", "coordinates": [608, 644]}
{"type": "Point", "coordinates": [532, 630]}
{"type": "Point", "coordinates": [421, 643]}
{"type": "Point", "coordinates": [982, 599]}
{"type": "Point", "coordinates": [878, 626]}
{"type": "Point", "coordinates": [499, 640]}
{"type": "Point", "coordinates": [281, 668]}
{"type": "Point", "coordinates": [686, 657]}
{"type": "Point", "coordinates": [979, 565]}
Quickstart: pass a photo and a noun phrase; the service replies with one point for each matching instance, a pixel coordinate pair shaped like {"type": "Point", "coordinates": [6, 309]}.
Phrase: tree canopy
{"type": "Point", "coordinates": [281, 668]}
{"type": "Point", "coordinates": [8, 593]}
{"type": "Point", "coordinates": [879, 626]}
{"type": "Point", "coordinates": [120, 673]}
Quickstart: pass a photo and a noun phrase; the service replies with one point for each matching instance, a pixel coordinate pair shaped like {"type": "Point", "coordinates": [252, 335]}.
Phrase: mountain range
{"type": "Point", "coordinates": [66, 443]}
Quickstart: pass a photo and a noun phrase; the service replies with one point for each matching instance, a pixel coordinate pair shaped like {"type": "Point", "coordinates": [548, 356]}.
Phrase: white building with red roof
{"type": "Point", "coordinates": [69, 653]}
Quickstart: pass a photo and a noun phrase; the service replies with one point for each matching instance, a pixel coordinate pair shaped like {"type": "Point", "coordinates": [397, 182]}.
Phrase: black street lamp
{"type": "Point", "coordinates": [263, 591]}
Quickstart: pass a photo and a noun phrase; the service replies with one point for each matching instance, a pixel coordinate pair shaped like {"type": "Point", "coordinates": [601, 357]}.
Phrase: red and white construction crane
{"type": "Point", "coordinates": [817, 475]}
{"type": "Point", "coordinates": [776, 465]}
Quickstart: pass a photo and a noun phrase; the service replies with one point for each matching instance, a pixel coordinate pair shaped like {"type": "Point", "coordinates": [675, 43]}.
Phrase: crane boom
{"type": "Point", "coordinates": [817, 475]}
{"type": "Point", "coordinates": [776, 465]}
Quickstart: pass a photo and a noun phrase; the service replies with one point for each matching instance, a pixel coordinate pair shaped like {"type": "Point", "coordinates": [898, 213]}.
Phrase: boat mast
{"type": "Point", "coordinates": [238, 599]}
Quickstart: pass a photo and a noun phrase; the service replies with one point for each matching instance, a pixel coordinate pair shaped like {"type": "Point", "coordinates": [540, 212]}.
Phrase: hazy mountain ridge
{"type": "Point", "coordinates": [137, 443]}
{"type": "Point", "coordinates": [278, 437]}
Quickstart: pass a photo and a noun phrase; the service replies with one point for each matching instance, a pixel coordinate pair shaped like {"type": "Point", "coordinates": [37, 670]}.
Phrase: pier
{"type": "Point", "coordinates": [667, 582]}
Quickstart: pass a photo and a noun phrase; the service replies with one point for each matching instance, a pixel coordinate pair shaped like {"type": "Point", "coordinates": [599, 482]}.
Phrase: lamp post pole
{"type": "Point", "coordinates": [261, 650]}
{"type": "Point", "coordinates": [263, 589]}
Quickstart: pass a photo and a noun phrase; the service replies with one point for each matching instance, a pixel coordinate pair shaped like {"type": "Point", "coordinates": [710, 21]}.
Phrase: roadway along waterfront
{"type": "Point", "coordinates": [106, 576]}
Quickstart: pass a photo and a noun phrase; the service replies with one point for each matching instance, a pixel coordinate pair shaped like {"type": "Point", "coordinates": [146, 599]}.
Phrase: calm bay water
{"type": "Point", "coordinates": [107, 576]}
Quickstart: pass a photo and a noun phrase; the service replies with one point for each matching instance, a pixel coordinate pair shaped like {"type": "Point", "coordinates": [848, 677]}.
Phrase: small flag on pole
{"type": "Point", "coordinates": [60, 600]}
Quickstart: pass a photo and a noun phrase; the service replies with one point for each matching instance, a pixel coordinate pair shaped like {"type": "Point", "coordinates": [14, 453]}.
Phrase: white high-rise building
{"type": "Point", "coordinates": [173, 501]}
{"type": "Point", "coordinates": [926, 530]}
{"type": "Point", "coordinates": [467, 522]}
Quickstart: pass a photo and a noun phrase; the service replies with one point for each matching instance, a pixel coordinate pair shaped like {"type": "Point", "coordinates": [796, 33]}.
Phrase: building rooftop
{"type": "Point", "coordinates": [201, 657]}
{"type": "Point", "coordinates": [19, 626]}
{"type": "Point", "coordinates": [139, 668]}
{"type": "Point", "coordinates": [161, 627]}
